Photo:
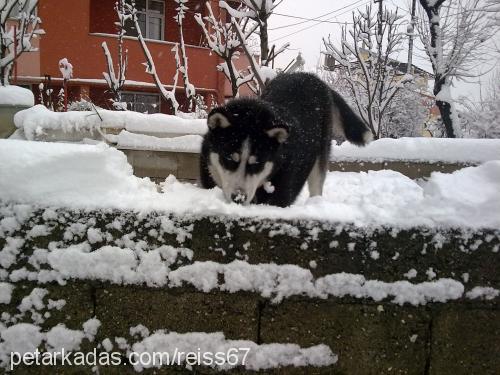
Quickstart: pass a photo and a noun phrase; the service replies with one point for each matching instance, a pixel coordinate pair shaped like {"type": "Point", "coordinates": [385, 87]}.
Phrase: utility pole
{"type": "Point", "coordinates": [380, 14]}
{"type": "Point", "coordinates": [411, 33]}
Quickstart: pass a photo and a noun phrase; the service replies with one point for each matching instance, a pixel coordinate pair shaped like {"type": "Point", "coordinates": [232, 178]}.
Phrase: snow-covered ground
{"type": "Point", "coordinates": [74, 175]}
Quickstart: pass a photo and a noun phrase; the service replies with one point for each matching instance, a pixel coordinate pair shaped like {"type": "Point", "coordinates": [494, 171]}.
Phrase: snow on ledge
{"type": "Point", "coordinates": [187, 143]}
{"type": "Point", "coordinates": [15, 95]}
{"type": "Point", "coordinates": [97, 176]}
{"type": "Point", "coordinates": [37, 120]}
{"type": "Point", "coordinates": [125, 266]}
{"type": "Point", "coordinates": [449, 150]}
{"type": "Point", "coordinates": [259, 357]}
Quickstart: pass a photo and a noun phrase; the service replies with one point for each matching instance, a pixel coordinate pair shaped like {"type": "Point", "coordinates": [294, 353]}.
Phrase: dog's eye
{"type": "Point", "coordinates": [233, 157]}
{"type": "Point", "coordinates": [252, 160]}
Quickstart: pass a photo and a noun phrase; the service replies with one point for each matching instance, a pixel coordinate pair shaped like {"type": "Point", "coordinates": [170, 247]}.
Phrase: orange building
{"type": "Point", "coordinates": [76, 29]}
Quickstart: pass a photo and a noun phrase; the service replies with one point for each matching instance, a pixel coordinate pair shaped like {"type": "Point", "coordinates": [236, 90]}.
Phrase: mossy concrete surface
{"type": "Point", "coordinates": [459, 337]}
{"type": "Point", "coordinates": [158, 165]}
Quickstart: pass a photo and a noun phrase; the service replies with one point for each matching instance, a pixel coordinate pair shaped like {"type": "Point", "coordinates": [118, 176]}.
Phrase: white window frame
{"type": "Point", "coordinates": [150, 14]}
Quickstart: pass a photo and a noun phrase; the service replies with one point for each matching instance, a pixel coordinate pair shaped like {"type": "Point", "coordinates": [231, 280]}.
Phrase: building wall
{"type": "Point", "coordinates": [76, 30]}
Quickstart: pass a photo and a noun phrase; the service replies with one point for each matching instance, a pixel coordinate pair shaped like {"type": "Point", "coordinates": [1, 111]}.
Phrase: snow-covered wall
{"type": "Point", "coordinates": [297, 293]}
{"type": "Point", "coordinates": [404, 274]}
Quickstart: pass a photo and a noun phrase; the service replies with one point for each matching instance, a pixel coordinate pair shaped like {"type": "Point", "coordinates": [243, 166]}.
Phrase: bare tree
{"type": "Point", "coordinates": [116, 80]}
{"type": "Point", "coordinates": [363, 59]}
{"type": "Point", "coordinates": [182, 61]}
{"type": "Point", "coordinates": [482, 119]}
{"type": "Point", "coordinates": [225, 43]}
{"type": "Point", "coordinates": [257, 11]}
{"type": "Point", "coordinates": [14, 40]}
{"type": "Point", "coordinates": [454, 35]}
{"type": "Point", "coordinates": [168, 95]}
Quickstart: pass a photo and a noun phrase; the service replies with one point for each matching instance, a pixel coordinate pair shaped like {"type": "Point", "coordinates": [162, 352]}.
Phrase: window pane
{"type": "Point", "coordinates": [154, 28]}
{"type": "Point", "coordinates": [141, 17]}
{"type": "Point", "coordinates": [140, 5]}
{"type": "Point", "coordinates": [156, 7]}
{"type": "Point", "coordinates": [130, 28]}
{"type": "Point", "coordinates": [144, 103]}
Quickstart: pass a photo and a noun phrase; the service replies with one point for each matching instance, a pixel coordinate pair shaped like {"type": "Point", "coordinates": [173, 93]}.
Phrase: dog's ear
{"type": "Point", "coordinates": [218, 119]}
{"type": "Point", "coordinates": [279, 131]}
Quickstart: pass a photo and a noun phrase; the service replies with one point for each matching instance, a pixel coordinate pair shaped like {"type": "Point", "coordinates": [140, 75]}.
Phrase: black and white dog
{"type": "Point", "coordinates": [264, 150]}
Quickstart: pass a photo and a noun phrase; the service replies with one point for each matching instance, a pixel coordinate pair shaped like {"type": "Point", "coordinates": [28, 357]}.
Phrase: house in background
{"type": "Point", "coordinates": [76, 29]}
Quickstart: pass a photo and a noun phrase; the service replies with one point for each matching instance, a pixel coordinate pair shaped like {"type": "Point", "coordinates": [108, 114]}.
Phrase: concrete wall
{"type": "Point", "coordinates": [159, 164]}
{"type": "Point", "coordinates": [459, 337]}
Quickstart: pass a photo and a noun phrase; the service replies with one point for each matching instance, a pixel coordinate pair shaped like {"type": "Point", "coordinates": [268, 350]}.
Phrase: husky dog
{"type": "Point", "coordinates": [264, 150]}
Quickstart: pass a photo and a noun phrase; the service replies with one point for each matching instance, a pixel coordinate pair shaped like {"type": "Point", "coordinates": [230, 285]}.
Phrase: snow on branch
{"type": "Point", "coordinates": [363, 59]}
{"type": "Point", "coordinates": [258, 11]}
{"type": "Point", "coordinates": [115, 80]}
{"type": "Point", "coordinates": [168, 95]}
{"type": "Point", "coordinates": [14, 40]}
{"type": "Point", "coordinates": [254, 65]}
{"type": "Point", "coordinates": [181, 58]}
{"type": "Point", "coordinates": [454, 36]}
{"type": "Point", "coordinates": [225, 43]}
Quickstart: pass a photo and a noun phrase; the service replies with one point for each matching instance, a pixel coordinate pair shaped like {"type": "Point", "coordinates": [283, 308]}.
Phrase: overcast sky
{"type": "Point", "coordinates": [306, 37]}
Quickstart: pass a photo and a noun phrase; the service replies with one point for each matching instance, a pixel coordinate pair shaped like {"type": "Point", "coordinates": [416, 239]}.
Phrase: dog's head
{"type": "Point", "coordinates": [245, 138]}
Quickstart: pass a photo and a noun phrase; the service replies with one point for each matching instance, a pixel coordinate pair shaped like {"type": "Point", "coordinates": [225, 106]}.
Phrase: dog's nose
{"type": "Point", "coordinates": [238, 197]}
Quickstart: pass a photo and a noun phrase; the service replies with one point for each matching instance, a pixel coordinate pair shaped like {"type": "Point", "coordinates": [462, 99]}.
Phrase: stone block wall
{"type": "Point", "coordinates": [370, 336]}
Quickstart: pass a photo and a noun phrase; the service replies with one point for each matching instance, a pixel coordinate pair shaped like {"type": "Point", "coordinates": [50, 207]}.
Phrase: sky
{"type": "Point", "coordinates": [306, 37]}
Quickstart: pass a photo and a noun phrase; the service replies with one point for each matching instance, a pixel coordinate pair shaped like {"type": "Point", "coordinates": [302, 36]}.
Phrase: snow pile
{"type": "Point", "coordinates": [15, 95]}
{"type": "Point", "coordinates": [254, 357]}
{"type": "Point", "coordinates": [37, 120]}
{"type": "Point", "coordinates": [186, 143]}
{"type": "Point", "coordinates": [421, 149]}
{"type": "Point", "coordinates": [85, 176]}
{"type": "Point", "coordinates": [46, 172]}
{"type": "Point", "coordinates": [27, 338]}
{"type": "Point", "coordinates": [126, 266]}
{"type": "Point", "coordinates": [5, 292]}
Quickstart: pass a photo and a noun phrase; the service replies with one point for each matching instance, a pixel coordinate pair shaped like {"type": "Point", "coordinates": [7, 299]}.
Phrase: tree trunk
{"type": "Point", "coordinates": [264, 42]}
{"type": "Point", "coordinates": [432, 12]}
{"type": "Point", "coordinates": [232, 77]}
{"type": "Point", "coordinates": [444, 110]}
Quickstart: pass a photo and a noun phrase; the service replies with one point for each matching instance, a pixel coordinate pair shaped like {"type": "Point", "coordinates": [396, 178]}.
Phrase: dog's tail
{"type": "Point", "coordinates": [348, 124]}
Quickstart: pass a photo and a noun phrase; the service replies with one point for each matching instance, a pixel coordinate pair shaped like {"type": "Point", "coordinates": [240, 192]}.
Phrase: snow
{"type": "Point", "coordinates": [97, 176]}
{"type": "Point", "coordinates": [27, 338]}
{"type": "Point", "coordinates": [421, 149]}
{"type": "Point", "coordinates": [260, 357]}
{"type": "Point", "coordinates": [15, 95]}
{"type": "Point", "coordinates": [5, 292]}
{"type": "Point", "coordinates": [37, 120]}
{"type": "Point", "coordinates": [487, 293]}
{"type": "Point", "coordinates": [99, 172]}
{"type": "Point", "coordinates": [187, 143]}
{"type": "Point", "coordinates": [66, 69]}
{"type": "Point", "coordinates": [125, 266]}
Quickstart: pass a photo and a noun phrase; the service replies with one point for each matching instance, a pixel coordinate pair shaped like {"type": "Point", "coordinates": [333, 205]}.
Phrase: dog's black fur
{"type": "Point", "coordinates": [289, 128]}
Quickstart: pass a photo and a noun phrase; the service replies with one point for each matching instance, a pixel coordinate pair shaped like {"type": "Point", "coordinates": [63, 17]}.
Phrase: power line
{"type": "Point", "coordinates": [319, 22]}
{"type": "Point", "coordinates": [311, 19]}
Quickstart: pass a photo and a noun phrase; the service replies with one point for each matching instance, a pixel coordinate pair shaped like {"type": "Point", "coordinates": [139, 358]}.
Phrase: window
{"type": "Point", "coordinates": [151, 17]}
{"type": "Point", "coordinates": [16, 11]}
{"type": "Point", "coordinates": [142, 102]}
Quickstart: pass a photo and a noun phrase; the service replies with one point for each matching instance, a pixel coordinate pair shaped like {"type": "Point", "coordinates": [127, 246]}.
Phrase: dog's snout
{"type": "Point", "coordinates": [238, 197]}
